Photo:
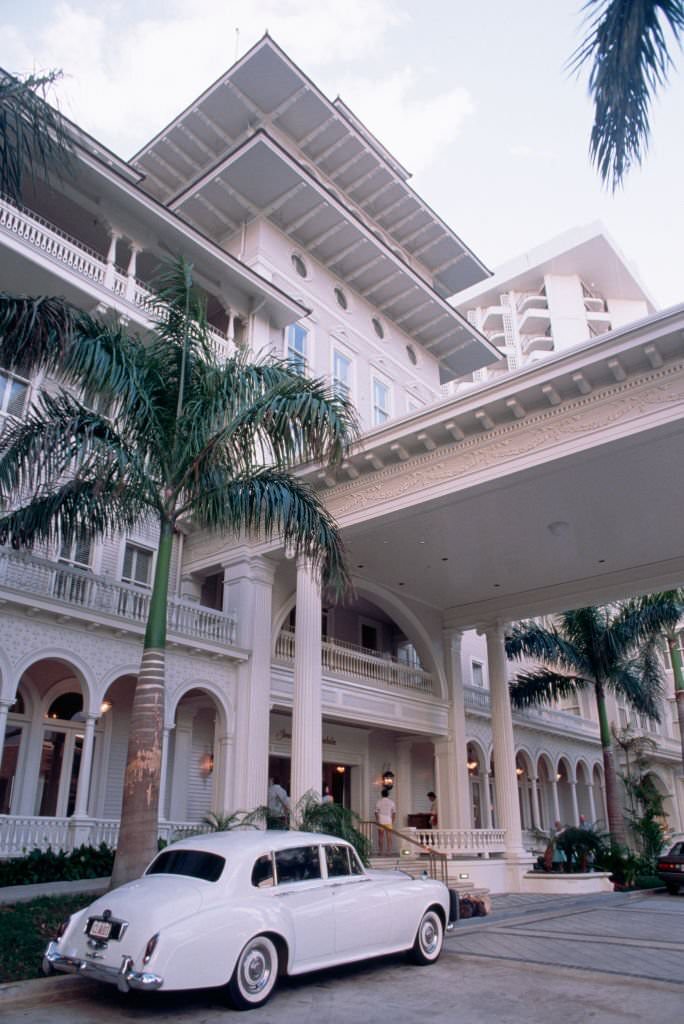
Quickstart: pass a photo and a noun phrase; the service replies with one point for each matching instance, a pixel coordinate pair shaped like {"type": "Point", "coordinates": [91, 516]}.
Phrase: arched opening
{"type": "Point", "coordinates": [668, 817]}
{"type": "Point", "coordinates": [480, 807]}
{"type": "Point", "coordinates": [111, 748]}
{"type": "Point", "coordinates": [599, 796]}
{"type": "Point", "coordinates": [13, 752]}
{"type": "Point", "coordinates": [585, 795]}
{"type": "Point", "coordinates": [547, 807]}
{"type": "Point", "coordinates": [566, 808]}
{"type": "Point", "coordinates": [191, 791]}
{"type": "Point", "coordinates": [525, 778]}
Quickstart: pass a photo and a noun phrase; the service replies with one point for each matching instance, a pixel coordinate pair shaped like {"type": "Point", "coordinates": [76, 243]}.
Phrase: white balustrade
{"type": "Point", "coordinates": [462, 841]}
{"type": "Point", "coordinates": [478, 700]}
{"type": "Point", "coordinates": [39, 234]}
{"type": "Point", "coordinates": [27, 574]}
{"type": "Point", "coordinates": [346, 659]}
{"type": "Point", "coordinates": [20, 835]}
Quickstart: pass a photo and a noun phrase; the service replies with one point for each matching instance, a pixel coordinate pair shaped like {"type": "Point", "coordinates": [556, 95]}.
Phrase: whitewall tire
{"type": "Point", "coordinates": [429, 938]}
{"type": "Point", "coordinates": [255, 974]}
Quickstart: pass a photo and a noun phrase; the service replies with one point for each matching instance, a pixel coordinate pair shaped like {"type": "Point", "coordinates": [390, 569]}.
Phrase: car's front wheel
{"type": "Point", "coordinates": [429, 938]}
{"type": "Point", "coordinates": [255, 974]}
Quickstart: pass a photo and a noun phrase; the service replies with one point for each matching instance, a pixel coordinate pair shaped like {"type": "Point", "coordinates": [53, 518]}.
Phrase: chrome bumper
{"type": "Point", "coordinates": [124, 977]}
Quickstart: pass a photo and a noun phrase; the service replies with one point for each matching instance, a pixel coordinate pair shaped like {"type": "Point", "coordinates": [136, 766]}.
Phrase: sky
{"type": "Point", "coordinates": [473, 98]}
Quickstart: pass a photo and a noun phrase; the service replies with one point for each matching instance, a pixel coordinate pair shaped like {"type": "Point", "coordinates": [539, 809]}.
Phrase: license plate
{"type": "Point", "coordinates": [100, 929]}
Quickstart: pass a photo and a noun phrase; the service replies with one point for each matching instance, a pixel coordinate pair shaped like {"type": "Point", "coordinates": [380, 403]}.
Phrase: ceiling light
{"type": "Point", "coordinates": [558, 528]}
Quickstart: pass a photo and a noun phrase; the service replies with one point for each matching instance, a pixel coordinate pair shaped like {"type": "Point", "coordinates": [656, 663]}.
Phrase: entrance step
{"type": "Point", "coordinates": [415, 866]}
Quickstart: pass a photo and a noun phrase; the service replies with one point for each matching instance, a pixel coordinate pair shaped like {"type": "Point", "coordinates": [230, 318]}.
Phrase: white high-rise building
{"type": "Point", "coordinates": [527, 494]}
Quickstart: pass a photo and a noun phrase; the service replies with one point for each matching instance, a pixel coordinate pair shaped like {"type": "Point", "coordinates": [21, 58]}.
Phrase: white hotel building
{"type": "Point", "coordinates": [463, 508]}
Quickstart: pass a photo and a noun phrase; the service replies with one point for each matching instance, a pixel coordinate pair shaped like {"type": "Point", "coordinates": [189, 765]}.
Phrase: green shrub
{"type": "Point", "coordinates": [26, 928]}
{"type": "Point", "coordinates": [49, 866]}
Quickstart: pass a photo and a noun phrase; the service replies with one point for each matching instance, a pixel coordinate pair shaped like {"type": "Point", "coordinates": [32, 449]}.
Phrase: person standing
{"type": "Point", "coordinates": [434, 817]}
{"type": "Point", "coordinates": [385, 815]}
{"type": "Point", "coordinates": [278, 804]}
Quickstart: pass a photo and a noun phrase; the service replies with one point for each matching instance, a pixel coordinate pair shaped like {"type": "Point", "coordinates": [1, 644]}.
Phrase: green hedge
{"type": "Point", "coordinates": [26, 928]}
{"type": "Point", "coordinates": [48, 866]}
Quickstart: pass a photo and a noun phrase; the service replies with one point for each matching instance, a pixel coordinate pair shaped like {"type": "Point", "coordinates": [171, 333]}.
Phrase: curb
{"type": "Point", "coordinates": [41, 991]}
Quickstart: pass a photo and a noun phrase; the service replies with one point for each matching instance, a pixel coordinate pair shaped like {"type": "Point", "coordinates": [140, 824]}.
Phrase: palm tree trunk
{"type": "Point", "coordinates": [678, 673]}
{"type": "Point", "coordinates": [139, 826]}
{"type": "Point", "coordinates": [616, 819]}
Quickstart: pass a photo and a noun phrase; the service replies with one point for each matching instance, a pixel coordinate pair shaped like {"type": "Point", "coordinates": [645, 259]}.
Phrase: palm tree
{"type": "Point", "coordinates": [33, 134]}
{"type": "Point", "coordinates": [606, 649]}
{"type": "Point", "coordinates": [179, 436]}
{"type": "Point", "coordinates": [626, 47]}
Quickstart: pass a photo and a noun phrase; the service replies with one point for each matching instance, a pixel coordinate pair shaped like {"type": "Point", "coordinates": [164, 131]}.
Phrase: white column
{"type": "Point", "coordinates": [575, 805]}
{"type": "Point", "coordinates": [230, 332]}
{"type": "Point", "coordinates": [5, 704]}
{"type": "Point", "coordinates": [83, 785]}
{"type": "Point", "coordinates": [114, 237]}
{"type": "Point", "coordinates": [454, 803]}
{"type": "Point", "coordinates": [180, 766]}
{"type": "Point", "coordinates": [130, 272]}
{"type": "Point", "coordinates": [536, 817]}
{"type": "Point", "coordinates": [403, 795]}
{"type": "Point", "coordinates": [163, 771]}
{"type": "Point", "coordinates": [485, 797]}
{"type": "Point", "coordinates": [505, 779]}
{"type": "Point", "coordinates": [307, 741]}
{"type": "Point", "coordinates": [554, 797]}
{"type": "Point", "coordinates": [592, 802]}
{"type": "Point", "coordinates": [223, 775]}
{"type": "Point", "coordinates": [248, 590]}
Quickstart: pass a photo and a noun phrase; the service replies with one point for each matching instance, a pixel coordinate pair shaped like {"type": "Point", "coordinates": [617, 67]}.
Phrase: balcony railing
{"type": "Point", "coordinates": [345, 659]}
{"type": "Point", "coordinates": [77, 589]}
{"type": "Point", "coordinates": [39, 234]}
{"type": "Point", "coordinates": [479, 700]}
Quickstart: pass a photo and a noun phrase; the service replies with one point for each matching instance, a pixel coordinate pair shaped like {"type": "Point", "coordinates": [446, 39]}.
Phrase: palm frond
{"type": "Point", "coordinates": [638, 620]}
{"type": "Point", "coordinates": [626, 47]}
{"type": "Point", "coordinates": [33, 136]}
{"type": "Point", "coordinates": [533, 640]}
{"type": "Point", "coordinates": [542, 686]}
{"type": "Point", "coordinates": [640, 681]}
{"type": "Point", "coordinates": [269, 503]}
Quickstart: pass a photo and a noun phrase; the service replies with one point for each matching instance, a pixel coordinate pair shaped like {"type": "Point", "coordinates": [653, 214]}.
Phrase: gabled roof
{"type": "Point", "coordinates": [266, 89]}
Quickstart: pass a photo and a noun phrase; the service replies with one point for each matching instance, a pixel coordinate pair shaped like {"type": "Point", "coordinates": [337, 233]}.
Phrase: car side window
{"type": "Point", "coordinates": [677, 850]}
{"type": "Point", "coordinates": [356, 865]}
{"type": "Point", "coordinates": [300, 864]}
{"type": "Point", "coordinates": [262, 872]}
{"type": "Point", "coordinates": [337, 861]}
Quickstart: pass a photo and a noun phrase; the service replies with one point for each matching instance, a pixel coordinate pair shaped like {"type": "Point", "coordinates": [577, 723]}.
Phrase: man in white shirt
{"type": "Point", "coordinates": [278, 803]}
{"type": "Point", "coordinates": [385, 814]}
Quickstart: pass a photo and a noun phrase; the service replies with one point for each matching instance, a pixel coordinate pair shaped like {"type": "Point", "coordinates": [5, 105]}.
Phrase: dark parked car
{"type": "Point", "coordinates": [671, 868]}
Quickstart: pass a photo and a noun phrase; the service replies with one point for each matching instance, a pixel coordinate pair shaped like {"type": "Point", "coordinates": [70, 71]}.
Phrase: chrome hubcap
{"type": "Point", "coordinates": [430, 936]}
{"type": "Point", "coordinates": [256, 970]}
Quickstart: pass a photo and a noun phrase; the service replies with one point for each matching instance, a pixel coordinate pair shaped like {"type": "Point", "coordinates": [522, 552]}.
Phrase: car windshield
{"type": "Point", "coordinates": [195, 863]}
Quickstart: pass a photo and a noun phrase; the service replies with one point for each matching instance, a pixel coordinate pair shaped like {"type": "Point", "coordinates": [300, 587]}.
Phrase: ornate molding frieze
{"type": "Point", "coordinates": [626, 408]}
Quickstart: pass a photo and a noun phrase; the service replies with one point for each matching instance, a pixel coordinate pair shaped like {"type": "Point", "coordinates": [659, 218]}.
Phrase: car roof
{"type": "Point", "coordinates": [251, 841]}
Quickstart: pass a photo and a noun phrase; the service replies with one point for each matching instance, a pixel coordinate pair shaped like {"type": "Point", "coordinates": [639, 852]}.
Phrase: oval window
{"type": "Point", "coordinates": [299, 264]}
{"type": "Point", "coordinates": [341, 298]}
{"type": "Point", "coordinates": [378, 328]}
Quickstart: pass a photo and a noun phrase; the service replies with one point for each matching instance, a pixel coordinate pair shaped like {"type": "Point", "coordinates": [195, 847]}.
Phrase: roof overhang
{"type": "Point", "coordinates": [261, 179]}
{"type": "Point", "coordinates": [266, 89]}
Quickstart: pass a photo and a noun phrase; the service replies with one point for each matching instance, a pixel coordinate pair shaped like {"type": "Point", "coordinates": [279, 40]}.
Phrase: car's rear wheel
{"type": "Point", "coordinates": [255, 974]}
{"type": "Point", "coordinates": [429, 938]}
{"type": "Point", "coordinates": [672, 888]}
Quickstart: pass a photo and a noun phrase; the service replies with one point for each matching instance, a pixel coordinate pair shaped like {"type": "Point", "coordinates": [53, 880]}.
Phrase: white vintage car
{"type": "Point", "coordinates": [236, 909]}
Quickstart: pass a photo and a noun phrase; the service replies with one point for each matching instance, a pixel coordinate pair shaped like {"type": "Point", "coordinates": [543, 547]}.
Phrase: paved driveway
{"type": "Point", "coordinates": [608, 959]}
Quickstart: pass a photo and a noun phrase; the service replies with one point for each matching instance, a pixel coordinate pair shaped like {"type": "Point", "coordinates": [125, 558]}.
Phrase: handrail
{"type": "Point", "coordinates": [437, 861]}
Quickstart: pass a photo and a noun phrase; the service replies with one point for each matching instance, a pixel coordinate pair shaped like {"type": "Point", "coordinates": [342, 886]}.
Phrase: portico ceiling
{"type": "Point", "coordinates": [562, 485]}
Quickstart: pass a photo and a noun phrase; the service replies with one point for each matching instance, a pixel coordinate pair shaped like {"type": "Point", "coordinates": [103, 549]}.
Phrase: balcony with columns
{"type": "Point", "coordinates": [84, 267]}
{"type": "Point", "coordinates": [54, 589]}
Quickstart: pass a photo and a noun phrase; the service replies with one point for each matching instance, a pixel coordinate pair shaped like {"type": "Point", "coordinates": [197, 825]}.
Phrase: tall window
{"type": "Point", "coordinates": [296, 339]}
{"type": "Point", "coordinates": [137, 566]}
{"type": "Point", "coordinates": [13, 395]}
{"type": "Point", "coordinates": [381, 402]}
{"type": "Point", "coordinates": [77, 554]}
{"type": "Point", "coordinates": [341, 374]}
{"type": "Point", "coordinates": [477, 673]}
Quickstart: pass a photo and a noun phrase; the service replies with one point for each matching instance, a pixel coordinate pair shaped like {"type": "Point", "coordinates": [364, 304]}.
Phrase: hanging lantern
{"type": "Point", "coordinates": [388, 778]}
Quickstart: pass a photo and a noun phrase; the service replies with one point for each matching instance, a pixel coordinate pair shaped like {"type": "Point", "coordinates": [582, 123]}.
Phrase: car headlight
{"type": "Point", "coordinates": [150, 948]}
